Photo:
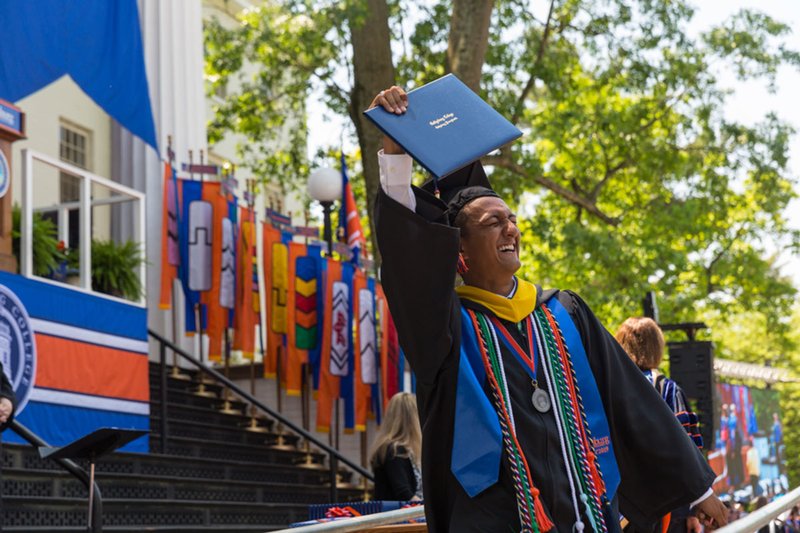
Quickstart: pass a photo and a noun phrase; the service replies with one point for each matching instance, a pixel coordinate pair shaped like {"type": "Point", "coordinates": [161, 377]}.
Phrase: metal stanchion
{"type": "Point", "coordinates": [227, 407]}
{"type": "Point", "coordinates": [202, 379]}
{"type": "Point", "coordinates": [308, 460]}
{"type": "Point", "coordinates": [254, 424]}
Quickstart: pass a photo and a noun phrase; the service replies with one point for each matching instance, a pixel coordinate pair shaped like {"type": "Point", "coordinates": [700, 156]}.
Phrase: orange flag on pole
{"type": "Point", "coordinates": [244, 337]}
{"type": "Point", "coordinates": [390, 349]}
{"type": "Point", "coordinates": [271, 236]}
{"type": "Point", "coordinates": [170, 256]}
{"type": "Point", "coordinates": [295, 356]}
{"type": "Point", "coordinates": [328, 383]}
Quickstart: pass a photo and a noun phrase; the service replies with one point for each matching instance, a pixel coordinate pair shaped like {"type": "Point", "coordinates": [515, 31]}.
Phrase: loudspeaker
{"type": "Point", "coordinates": [650, 307]}
{"type": "Point", "coordinates": [691, 365]}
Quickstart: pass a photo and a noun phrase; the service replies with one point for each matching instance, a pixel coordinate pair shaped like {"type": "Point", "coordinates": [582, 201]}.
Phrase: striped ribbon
{"type": "Point", "coordinates": [575, 428]}
{"type": "Point", "coordinates": [533, 518]}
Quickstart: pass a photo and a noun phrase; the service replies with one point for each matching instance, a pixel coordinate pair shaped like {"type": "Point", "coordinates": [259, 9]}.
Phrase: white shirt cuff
{"type": "Point", "coordinates": [702, 498]}
{"type": "Point", "coordinates": [395, 170]}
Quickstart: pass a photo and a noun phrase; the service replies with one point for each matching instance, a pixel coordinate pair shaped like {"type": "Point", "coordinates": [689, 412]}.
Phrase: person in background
{"type": "Point", "coordinates": [643, 341]}
{"type": "Point", "coordinates": [792, 522]}
{"type": "Point", "coordinates": [723, 425]}
{"type": "Point", "coordinates": [758, 503]}
{"type": "Point", "coordinates": [753, 460]}
{"type": "Point", "coordinates": [777, 439]}
{"type": "Point", "coordinates": [735, 464]}
{"type": "Point", "coordinates": [8, 402]}
{"type": "Point", "coordinates": [396, 451]}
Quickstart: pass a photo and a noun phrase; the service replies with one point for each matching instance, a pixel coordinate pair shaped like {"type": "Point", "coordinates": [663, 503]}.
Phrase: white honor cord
{"type": "Point", "coordinates": [503, 374]}
{"type": "Point", "coordinates": [556, 408]}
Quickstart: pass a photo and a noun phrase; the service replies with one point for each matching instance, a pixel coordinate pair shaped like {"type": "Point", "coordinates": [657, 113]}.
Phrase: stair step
{"type": "Point", "coordinates": [25, 457]}
{"type": "Point", "coordinates": [228, 433]}
{"type": "Point", "coordinates": [25, 511]}
{"type": "Point", "coordinates": [188, 398]}
{"type": "Point", "coordinates": [49, 484]}
{"type": "Point", "coordinates": [216, 449]}
{"type": "Point", "coordinates": [148, 529]}
{"type": "Point", "coordinates": [206, 414]}
{"type": "Point", "coordinates": [184, 384]}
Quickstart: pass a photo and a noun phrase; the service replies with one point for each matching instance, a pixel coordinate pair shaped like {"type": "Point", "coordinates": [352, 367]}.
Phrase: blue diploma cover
{"type": "Point", "coordinates": [447, 126]}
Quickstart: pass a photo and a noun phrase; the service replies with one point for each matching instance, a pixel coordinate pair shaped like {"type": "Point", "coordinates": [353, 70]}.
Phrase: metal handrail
{"type": "Point", "coordinates": [762, 517]}
{"type": "Point", "coordinates": [71, 467]}
{"type": "Point", "coordinates": [333, 454]}
{"type": "Point", "coordinates": [358, 523]}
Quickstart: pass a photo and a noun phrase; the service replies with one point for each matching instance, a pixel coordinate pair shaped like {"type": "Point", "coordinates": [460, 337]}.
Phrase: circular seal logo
{"type": "Point", "coordinates": [5, 174]}
{"type": "Point", "coordinates": [17, 346]}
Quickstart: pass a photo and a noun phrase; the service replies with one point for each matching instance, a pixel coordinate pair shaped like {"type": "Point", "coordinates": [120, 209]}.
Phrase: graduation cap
{"type": "Point", "coordinates": [458, 189]}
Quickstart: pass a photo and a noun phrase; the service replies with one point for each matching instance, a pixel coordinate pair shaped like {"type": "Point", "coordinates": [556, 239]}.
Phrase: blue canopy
{"type": "Point", "coordinates": [97, 42]}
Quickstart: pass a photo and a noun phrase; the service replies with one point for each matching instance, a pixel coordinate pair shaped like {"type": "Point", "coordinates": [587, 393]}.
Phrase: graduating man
{"type": "Point", "coordinates": [533, 417]}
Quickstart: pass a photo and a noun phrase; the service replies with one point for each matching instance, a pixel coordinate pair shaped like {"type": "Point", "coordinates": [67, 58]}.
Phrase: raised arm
{"type": "Point", "coordinates": [419, 257]}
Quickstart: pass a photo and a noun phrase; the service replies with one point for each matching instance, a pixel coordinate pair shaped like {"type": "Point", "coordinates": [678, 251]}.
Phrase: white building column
{"type": "Point", "coordinates": [172, 34]}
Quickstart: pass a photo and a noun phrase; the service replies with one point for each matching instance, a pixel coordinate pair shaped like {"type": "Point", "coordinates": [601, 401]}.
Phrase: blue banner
{"type": "Point", "coordinates": [96, 42]}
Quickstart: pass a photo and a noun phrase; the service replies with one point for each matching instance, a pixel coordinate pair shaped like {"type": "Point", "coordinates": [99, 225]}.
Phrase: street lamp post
{"type": "Point", "coordinates": [325, 186]}
{"type": "Point", "coordinates": [327, 231]}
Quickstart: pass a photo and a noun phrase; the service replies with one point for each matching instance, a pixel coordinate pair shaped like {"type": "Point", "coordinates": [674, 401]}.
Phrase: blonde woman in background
{"type": "Point", "coordinates": [396, 451]}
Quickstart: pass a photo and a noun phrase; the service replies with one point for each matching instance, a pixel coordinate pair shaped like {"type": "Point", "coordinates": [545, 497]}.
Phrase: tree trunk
{"type": "Point", "coordinates": [373, 71]}
{"type": "Point", "coordinates": [469, 39]}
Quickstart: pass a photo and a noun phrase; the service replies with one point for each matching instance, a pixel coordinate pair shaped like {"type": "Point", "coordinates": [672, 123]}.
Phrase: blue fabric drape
{"type": "Point", "coordinates": [96, 42]}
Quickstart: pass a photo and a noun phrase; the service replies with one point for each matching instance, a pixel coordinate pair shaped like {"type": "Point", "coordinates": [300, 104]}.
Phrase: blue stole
{"type": "Point", "coordinates": [593, 405]}
{"type": "Point", "coordinates": [477, 439]}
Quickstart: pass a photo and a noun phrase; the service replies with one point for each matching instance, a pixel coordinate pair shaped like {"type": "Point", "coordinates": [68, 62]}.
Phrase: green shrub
{"type": "Point", "coordinates": [47, 254]}
{"type": "Point", "coordinates": [115, 268]}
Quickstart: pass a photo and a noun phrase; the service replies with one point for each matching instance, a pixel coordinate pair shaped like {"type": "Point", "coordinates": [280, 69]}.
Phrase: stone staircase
{"type": "Point", "coordinates": [216, 476]}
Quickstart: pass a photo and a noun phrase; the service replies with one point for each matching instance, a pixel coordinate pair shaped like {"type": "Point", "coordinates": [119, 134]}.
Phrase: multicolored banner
{"type": "Point", "coordinates": [322, 312]}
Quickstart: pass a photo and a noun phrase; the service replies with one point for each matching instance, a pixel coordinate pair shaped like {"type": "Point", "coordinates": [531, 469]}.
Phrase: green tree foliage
{"type": "Point", "coordinates": [638, 181]}
{"type": "Point", "coordinates": [636, 178]}
{"type": "Point", "coordinates": [629, 176]}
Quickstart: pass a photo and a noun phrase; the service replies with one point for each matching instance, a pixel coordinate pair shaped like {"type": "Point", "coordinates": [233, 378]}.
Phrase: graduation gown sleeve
{"type": "Point", "coordinates": [660, 466]}
{"type": "Point", "coordinates": [419, 256]}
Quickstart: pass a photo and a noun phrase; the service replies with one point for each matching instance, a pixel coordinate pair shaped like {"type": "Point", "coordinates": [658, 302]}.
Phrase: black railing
{"type": "Point", "coordinates": [71, 467]}
{"type": "Point", "coordinates": [333, 455]}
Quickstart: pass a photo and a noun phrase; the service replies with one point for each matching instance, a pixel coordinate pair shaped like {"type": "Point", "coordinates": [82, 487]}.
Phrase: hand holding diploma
{"type": "Point", "coordinates": [394, 100]}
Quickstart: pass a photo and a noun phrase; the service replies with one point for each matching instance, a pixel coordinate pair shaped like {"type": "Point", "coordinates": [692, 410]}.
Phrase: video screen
{"type": "Point", "coordinates": [748, 452]}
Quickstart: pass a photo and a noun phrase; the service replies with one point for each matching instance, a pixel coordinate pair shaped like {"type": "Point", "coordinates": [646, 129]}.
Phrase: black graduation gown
{"type": "Point", "coordinates": [661, 468]}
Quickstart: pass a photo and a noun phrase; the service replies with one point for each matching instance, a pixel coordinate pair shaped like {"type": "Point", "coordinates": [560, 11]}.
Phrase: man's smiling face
{"type": "Point", "coordinates": [489, 241]}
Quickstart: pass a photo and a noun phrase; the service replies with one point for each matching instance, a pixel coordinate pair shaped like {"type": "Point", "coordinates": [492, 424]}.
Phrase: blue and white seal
{"type": "Point", "coordinates": [5, 174]}
{"type": "Point", "coordinates": [17, 346]}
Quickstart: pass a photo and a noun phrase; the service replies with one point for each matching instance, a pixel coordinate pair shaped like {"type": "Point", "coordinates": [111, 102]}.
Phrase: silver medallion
{"type": "Point", "coordinates": [540, 400]}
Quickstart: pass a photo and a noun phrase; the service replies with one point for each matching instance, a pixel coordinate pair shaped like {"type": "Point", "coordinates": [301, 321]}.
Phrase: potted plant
{"type": "Point", "coordinates": [48, 255]}
{"type": "Point", "coordinates": [115, 268]}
